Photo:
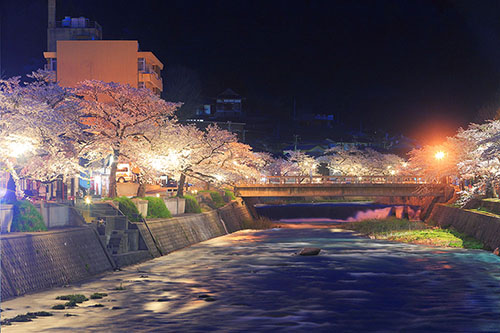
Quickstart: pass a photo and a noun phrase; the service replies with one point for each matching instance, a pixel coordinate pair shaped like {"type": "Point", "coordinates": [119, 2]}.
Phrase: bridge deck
{"type": "Point", "coordinates": [341, 190]}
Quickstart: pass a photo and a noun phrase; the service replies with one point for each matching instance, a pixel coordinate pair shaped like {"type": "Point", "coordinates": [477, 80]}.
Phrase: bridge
{"type": "Point", "coordinates": [343, 186]}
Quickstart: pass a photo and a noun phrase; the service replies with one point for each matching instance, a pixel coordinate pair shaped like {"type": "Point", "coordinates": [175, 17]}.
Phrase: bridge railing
{"type": "Point", "coordinates": [343, 180]}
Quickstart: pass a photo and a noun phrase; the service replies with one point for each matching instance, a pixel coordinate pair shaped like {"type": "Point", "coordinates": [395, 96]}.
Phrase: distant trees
{"type": "Point", "coordinates": [361, 162]}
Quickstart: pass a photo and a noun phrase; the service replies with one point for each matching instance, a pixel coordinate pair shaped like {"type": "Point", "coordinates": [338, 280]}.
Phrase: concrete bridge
{"type": "Point", "coordinates": [344, 186]}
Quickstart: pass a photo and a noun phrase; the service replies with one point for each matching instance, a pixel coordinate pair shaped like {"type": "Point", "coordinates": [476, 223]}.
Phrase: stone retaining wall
{"type": "Point", "coordinates": [36, 261]}
{"type": "Point", "coordinates": [179, 232]}
{"type": "Point", "coordinates": [480, 226]}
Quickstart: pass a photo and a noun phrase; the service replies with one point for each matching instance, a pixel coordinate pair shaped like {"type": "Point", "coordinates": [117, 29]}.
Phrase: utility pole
{"type": "Point", "coordinates": [296, 139]}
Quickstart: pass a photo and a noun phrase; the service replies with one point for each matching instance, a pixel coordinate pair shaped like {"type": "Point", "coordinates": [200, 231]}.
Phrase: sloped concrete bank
{"type": "Point", "coordinates": [480, 226]}
{"type": "Point", "coordinates": [41, 260]}
{"type": "Point", "coordinates": [35, 261]}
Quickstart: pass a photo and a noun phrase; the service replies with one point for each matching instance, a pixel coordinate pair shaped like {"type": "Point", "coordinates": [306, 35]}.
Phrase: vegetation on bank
{"type": "Point", "coordinates": [27, 218]}
{"type": "Point", "coordinates": [211, 200]}
{"type": "Point", "coordinates": [157, 208]}
{"type": "Point", "coordinates": [229, 195]}
{"type": "Point", "coordinates": [192, 205]}
{"type": "Point", "coordinates": [127, 207]}
{"type": "Point", "coordinates": [405, 231]}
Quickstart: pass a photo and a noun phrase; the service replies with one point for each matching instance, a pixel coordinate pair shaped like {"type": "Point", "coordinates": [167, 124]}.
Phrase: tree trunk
{"type": "Point", "coordinates": [180, 185]}
{"type": "Point", "coordinates": [10, 195]}
{"type": "Point", "coordinates": [141, 191]}
{"type": "Point", "coordinates": [112, 175]}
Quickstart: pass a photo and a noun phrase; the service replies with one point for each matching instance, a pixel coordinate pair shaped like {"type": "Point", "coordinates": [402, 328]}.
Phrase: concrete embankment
{"type": "Point", "coordinates": [484, 228]}
{"type": "Point", "coordinates": [35, 261]}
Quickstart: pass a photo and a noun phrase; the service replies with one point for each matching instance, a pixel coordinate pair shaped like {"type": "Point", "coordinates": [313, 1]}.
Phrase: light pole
{"type": "Point", "coordinates": [439, 156]}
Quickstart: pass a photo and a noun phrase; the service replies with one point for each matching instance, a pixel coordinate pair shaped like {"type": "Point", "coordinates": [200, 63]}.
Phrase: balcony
{"type": "Point", "coordinates": [153, 78]}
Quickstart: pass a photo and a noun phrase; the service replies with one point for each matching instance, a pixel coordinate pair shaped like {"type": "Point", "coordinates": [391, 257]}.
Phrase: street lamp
{"type": "Point", "coordinates": [439, 156]}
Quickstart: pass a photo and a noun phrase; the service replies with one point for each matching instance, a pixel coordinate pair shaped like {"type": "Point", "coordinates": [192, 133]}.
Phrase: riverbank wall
{"type": "Point", "coordinates": [32, 262]}
{"type": "Point", "coordinates": [485, 228]}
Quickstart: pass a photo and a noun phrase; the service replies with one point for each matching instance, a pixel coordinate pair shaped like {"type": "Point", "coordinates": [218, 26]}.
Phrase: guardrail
{"type": "Point", "coordinates": [344, 180]}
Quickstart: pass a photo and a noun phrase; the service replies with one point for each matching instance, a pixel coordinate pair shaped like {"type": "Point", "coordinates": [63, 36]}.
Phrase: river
{"type": "Point", "coordinates": [252, 281]}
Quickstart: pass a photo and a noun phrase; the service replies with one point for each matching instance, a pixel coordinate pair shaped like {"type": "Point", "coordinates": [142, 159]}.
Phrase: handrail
{"type": "Point", "coordinates": [297, 180]}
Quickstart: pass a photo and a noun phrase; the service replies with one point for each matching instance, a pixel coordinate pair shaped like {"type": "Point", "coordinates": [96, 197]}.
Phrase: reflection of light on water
{"type": "Point", "coordinates": [371, 214]}
{"type": "Point", "coordinates": [190, 306]}
{"type": "Point", "coordinates": [157, 306]}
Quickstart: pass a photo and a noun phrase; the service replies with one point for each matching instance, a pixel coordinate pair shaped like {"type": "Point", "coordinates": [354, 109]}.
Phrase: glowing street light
{"type": "Point", "coordinates": [439, 155]}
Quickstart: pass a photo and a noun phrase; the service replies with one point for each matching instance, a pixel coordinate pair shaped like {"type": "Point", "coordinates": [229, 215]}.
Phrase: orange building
{"type": "Point", "coordinates": [106, 60]}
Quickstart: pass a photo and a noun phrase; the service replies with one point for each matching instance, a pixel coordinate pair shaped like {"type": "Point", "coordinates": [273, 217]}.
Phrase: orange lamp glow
{"type": "Point", "coordinates": [439, 155]}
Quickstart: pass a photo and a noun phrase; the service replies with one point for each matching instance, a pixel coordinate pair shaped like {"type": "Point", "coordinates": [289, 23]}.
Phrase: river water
{"type": "Point", "coordinates": [257, 283]}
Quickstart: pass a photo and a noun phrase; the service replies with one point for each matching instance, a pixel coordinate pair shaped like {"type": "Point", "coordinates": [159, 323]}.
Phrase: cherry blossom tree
{"type": "Point", "coordinates": [361, 162]}
{"type": "Point", "coordinates": [40, 136]}
{"type": "Point", "coordinates": [281, 167]}
{"type": "Point", "coordinates": [211, 156]}
{"type": "Point", "coordinates": [479, 155]}
{"type": "Point", "coordinates": [120, 117]}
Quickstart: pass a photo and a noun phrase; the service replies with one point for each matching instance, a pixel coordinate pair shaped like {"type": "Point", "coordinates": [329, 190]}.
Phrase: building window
{"type": "Point", "coordinates": [141, 65]}
{"type": "Point", "coordinates": [52, 64]}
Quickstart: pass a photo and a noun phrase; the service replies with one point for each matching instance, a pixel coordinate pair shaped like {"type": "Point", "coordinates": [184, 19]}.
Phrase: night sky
{"type": "Point", "coordinates": [421, 68]}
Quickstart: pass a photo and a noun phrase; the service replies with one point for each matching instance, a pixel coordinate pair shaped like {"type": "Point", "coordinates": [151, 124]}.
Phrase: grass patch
{"type": "Point", "coordinates": [483, 211]}
{"type": "Point", "coordinates": [157, 208]}
{"type": "Point", "coordinates": [27, 218]}
{"type": "Point", "coordinates": [192, 205]}
{"type": "Point", "coordinates": [77, 298]}
{"type": "Point", "coordinates": [26, 317]}
{"type": "Point", "coordinates": [58, 307]}
{"type": "Point", "coordinates": [414, 232]}
{"type": "Point", "coordinates": [492, 199]}
{"type": "Point", "coordinates": [98, 295]}
{"type": "Point", "coordinates": [371, 227]}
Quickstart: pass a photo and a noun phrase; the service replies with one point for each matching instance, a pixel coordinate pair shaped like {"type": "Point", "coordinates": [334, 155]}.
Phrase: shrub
{"type": "Point", "coordinates": [217, 199]}
{"type": "Point", "coordinates": [228, 195]}
{"type": "Point", "coordinates": [128, 208]}
{"type": "Point", "coordinates": [157, 208]}
{"type": "Point", "coordinates": [192, 205]}
{"type": "Point", "coordinates": [27, 218]}
{"type": "Point", "coordinates": [98, 295]}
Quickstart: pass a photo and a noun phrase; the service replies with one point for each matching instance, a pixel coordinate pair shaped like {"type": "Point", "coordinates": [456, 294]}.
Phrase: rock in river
{"type": "Point", "coordinates": [309, 251]}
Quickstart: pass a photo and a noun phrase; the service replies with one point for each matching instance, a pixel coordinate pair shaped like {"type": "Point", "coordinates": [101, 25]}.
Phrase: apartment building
{"type": "Point", "coordinates": [106, 60]}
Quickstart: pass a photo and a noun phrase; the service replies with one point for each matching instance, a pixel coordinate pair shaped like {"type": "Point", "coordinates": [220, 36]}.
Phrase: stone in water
{"type": "Point", "coordinates": [309, 251]}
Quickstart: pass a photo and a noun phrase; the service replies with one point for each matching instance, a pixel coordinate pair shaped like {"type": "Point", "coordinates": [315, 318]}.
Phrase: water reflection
{"type": "Point", "coordinates": [258, 283]}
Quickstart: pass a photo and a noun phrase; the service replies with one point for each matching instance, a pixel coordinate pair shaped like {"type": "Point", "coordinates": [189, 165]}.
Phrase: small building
{"type": "Point", "coordinates": [228, 105]}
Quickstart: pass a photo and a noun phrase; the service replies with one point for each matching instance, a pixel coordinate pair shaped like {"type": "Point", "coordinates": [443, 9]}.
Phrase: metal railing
{"type": "Point", "coordinates": [275, 180]}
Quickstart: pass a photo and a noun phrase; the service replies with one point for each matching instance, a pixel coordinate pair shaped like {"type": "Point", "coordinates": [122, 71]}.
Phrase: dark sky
{"type": "Point", "coordinates": [421, 68]}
